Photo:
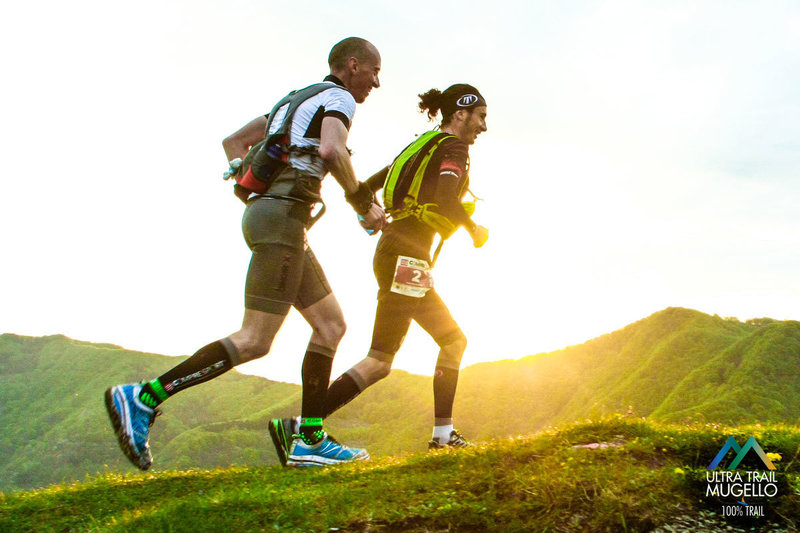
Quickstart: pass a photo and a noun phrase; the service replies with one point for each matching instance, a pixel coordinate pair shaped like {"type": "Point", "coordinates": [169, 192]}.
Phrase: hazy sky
{"type": "Point", "coordinates": [640, 155]}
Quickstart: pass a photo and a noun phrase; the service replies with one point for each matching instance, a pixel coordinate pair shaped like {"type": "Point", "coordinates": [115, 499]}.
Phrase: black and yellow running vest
{"type": "Point", "coordinates": [404, 181]}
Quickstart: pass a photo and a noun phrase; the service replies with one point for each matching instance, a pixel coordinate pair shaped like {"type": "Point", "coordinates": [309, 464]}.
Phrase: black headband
{"type": "Point", "coordinates": [460, 96]}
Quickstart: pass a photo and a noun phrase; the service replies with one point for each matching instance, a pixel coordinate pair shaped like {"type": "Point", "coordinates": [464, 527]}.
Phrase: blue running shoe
{"type": "Point", "coordinates": [131, 420]}
{"type": "Point", "coordinates": [325, 452]}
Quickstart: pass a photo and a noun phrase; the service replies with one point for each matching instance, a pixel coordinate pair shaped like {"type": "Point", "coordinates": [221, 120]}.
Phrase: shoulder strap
{"type": "Point", "coordinates": [285, 109]}
{"type": "Point", "coordinates": [406, 172]}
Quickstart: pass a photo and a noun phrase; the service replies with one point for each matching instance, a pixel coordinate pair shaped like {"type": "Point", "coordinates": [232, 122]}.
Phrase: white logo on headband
{"type": "Point", "coordinates": [467, 100]}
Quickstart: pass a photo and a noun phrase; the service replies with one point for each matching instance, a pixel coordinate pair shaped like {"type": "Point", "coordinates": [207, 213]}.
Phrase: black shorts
{"type": "Point", "coordinates": [396, 311]}
{"type": "Point", "coordinates": [283, 270]}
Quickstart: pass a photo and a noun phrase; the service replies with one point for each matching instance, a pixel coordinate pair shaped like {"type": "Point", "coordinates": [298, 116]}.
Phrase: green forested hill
{"type": "Point", "coordinates": [675, 365]}
{"type": "Point", "coordinates": [54, 424]}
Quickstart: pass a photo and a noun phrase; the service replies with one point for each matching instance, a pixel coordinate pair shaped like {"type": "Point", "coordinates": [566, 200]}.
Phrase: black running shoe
{"type": "Point", "coordinates": [457, 440]}
{"type": "Point", "coordinates": [281, 431]}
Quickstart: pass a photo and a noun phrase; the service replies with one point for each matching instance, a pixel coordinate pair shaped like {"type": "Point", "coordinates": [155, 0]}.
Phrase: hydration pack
{"type": "Point", "coordinates": [404, 180]}
{"type": "Point", "coordinates": [268, 157]}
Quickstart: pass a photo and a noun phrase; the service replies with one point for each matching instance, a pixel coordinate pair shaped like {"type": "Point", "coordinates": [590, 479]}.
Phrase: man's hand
{"type": "Point", "coordinates": [334, 153]}
{"type": "Point", "coordinates": [373, 220]}
{"type": "Point", "coordinates": [479, 236]}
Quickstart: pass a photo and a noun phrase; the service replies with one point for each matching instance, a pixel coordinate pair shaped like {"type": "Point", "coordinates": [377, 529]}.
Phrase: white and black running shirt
{"type": "Point", "coordinates": [307, 124]}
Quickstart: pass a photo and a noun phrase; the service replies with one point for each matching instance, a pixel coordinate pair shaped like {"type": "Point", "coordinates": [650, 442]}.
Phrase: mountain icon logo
{"type": "Point", "coordinates": [741, 452]}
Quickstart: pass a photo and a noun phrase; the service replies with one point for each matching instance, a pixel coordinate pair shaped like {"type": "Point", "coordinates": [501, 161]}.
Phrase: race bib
{"type": "Point", "coordinates": [412, 277]}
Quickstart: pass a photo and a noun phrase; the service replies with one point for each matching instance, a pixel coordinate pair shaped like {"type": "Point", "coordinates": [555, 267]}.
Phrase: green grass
{"type": "Point", "coordinates": [652, 477]}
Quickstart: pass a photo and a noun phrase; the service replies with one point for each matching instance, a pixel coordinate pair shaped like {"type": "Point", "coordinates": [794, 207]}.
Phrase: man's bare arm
{"type": "Point", "coordinates": [238, 143]}
{"type": "Point", "coordinates": [333, 151]}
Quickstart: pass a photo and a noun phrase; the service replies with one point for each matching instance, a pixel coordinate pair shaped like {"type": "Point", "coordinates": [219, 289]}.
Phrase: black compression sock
{"type": "Point", "coordinates": [152, 394]}
{"type": "Point", "coordinates": [340, 393]}
{"type": "Point", "coordinates": [316, 375]}
{"type": "Point", "coordinates": [311, 430]}
{"type": "Point", "coordinates": [445, 381]}
{"type": "Point", "coordinates": [206, 364]}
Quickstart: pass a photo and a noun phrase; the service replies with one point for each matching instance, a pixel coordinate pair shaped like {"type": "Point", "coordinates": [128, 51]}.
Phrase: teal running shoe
{"type": "Point", "coordinates": [456, 441]}
{"type": "Point", "coordinates": [282, 430]}
{"type": "Point", "coordinates": [131, 420]}
{"type": "Point", "coordinates": [325, 452]}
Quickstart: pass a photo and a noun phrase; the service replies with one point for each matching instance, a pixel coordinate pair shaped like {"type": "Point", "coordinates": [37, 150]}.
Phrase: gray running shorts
{"type": "Point", "coordinates": [283, 270]}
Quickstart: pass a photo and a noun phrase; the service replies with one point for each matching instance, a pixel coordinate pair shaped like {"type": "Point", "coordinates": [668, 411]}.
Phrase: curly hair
{"type": "Point", "coordinates": [430, 102]}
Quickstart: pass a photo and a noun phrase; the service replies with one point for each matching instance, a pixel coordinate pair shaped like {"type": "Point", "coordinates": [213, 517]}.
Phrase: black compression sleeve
{"type": "Point", "coordinates": [376, 181]}
{"type": "Point", "coordinates": [452, 179]}
{"type": "Point", "coordinates": [449, 203]}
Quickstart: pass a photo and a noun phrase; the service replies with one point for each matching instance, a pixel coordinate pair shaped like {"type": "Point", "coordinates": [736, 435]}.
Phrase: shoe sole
{"type": "Point", "coordinates": [277, 441]}
{"type": "Point", "coordinates": [121, 421]}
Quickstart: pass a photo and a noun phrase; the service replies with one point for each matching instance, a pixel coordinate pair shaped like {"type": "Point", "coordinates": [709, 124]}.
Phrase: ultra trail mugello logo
{"type": "Point", "coordinates": [749, 489]}
{"type": "Point", "coordinates": [741, 452]}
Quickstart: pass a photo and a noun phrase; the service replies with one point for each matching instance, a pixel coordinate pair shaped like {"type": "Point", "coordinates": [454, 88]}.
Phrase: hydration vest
{"type": "Point", "coordinates": [404, 180]}
{"type": "Point", "coordinates": [268, 157]}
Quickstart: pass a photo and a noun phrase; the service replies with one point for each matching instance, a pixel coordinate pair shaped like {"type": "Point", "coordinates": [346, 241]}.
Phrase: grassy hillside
{"type": "Point", "coordinates": [651, 478]}
{"type": "Point", "coordinates": [55, 427]}
{"type": "Point", "coordinates": [675, 365]}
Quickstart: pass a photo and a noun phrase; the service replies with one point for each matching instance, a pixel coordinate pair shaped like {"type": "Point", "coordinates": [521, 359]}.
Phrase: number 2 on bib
{"type": "Point", "coordinates": [412, 277]}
